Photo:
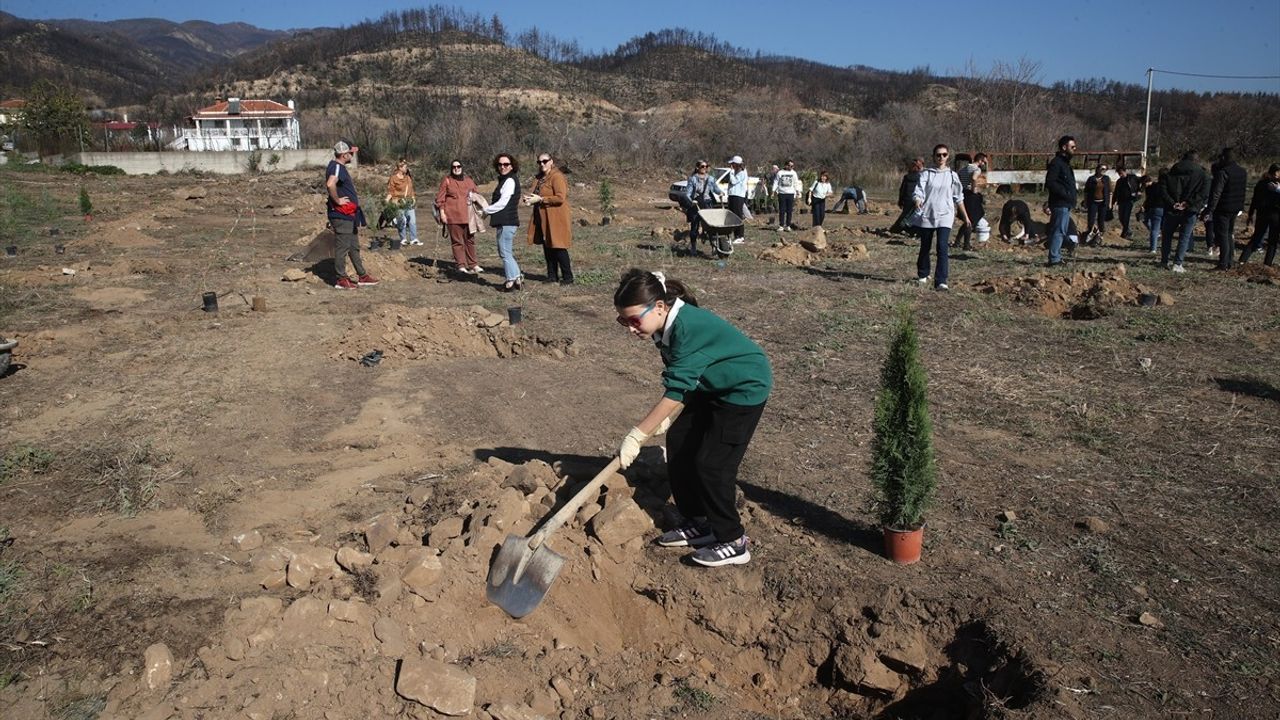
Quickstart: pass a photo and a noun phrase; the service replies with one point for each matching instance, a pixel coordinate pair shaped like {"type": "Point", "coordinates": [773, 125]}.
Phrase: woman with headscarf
{"type": "Point", "coordinates": [452, 200]}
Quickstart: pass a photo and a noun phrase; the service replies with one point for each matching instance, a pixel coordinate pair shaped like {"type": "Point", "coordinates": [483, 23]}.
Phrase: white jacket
{"type": "Point", "coordinates": [938, 191]}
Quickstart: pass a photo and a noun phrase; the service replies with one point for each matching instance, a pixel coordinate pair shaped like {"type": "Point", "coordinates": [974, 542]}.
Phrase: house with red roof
{"type": "Point", "coordinates": [235, 124]}
{"type": "Point", "coordinates": [9, 110]}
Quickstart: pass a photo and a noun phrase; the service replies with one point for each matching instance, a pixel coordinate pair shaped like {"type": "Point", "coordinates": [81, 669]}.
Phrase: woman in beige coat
{"type": "Point", "coordinates": [551, 226]}
{"type": "Point", "coordinates": [452, 199]}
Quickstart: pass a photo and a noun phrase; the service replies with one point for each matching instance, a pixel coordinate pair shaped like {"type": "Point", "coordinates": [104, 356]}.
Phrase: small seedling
{"type": "Point", "coordinates": [86, 205]}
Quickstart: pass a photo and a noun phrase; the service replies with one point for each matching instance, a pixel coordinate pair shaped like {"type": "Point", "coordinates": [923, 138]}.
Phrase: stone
{"type": "Point", "coordinates": [273, 579]}
{"type": "Point", "coordinates": [1007, 516]}
{"type": "Point", "coordinates": [509, 509]}
{"type": "Point", "coordinates": [508, 711]}
{"type": "Point", "coordinates": [447, 529]}
{"type": "Point", "coordinates": [1093, 524]}
{"type": "Point", "coordinates": [422, 573]}
{"type": "Point", "coordinates": [563, 689]}
{"type": "Point", "coordinates": [588, 511]}
{"type": "Point", "coordinates": [1149, 620]}
{"type": "Point", "coordinates": [419, 496]}
{"type": "Point", "coordinates": [352, 560]}
{"type": "Point", "coordinates": [907, 654]}
{"type": "Point", "coordinates": [391, 635]}
{"type": "Point", "coordinates": [1164, 298]}
{"type": "Point", "coordinates": [158, 666]}
{"type": "Point", "coordinates": [817, 240]}
{"type": "Point", "coordinates": [281, 212]}
{"type": "Point", "coordinates": [293, 275]}
{"type": "Point", "coordinates": [620, 521]}
{"type": "Point", "coordinates": [860, 671]}
{"type": "Point", "coordinates": [311, 565]}
{"type": "Point", "coordinates": [234, 649]}
{"type": "Point", "coordinates": [191, 193]}
{"type": "Point", "coordinates": [304, 612]}
{"type": "Point", "coordinates": [351, 611]}
{"type": "Point", "coordinates": [530, 476]}
{"type": "Point", "coordinates": [380, 532]}
{"type": "Point", "coordinates": [444, 688]}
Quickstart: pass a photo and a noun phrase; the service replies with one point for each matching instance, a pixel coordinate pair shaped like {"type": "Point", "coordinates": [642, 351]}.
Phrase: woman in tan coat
{"type": "Point", "coordinates": [452, 199]}
{"type": "Point", "coordinates": [551, 226]}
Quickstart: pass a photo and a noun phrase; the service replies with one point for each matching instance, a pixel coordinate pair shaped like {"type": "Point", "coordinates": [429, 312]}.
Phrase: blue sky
{"type": "Point", "coordinates": [1117, 39]}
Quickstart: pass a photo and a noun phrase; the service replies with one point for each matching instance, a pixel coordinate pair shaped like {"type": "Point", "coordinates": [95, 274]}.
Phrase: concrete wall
{"type": "Point", "coordinates": [223, 163]}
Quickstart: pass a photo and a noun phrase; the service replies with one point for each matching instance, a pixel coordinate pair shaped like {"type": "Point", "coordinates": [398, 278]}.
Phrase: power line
{"type": "Point", "coordinates": [1222, 77]}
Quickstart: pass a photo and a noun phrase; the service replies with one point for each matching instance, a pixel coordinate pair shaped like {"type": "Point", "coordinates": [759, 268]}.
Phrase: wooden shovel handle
{"type": "Point", "coordinates": [572, 506]}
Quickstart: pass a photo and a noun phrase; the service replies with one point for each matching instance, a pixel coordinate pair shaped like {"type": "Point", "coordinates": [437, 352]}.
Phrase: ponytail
{"type": "Point", "coordinates": [641, 287]}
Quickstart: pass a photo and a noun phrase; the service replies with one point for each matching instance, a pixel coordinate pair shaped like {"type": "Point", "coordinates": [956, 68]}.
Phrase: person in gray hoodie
{"type": "Point", "coordinates": [938, 197]}
{"type": "Point", "coordinates": [1186, 190]}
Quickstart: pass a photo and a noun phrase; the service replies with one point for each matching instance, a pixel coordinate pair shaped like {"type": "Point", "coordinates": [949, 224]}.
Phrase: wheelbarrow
{"type": "Point", "coordinates": [719, 225]}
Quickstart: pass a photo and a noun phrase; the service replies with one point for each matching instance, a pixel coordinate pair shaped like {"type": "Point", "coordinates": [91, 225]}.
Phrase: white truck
{"type": "Point", "coordinates": [721, 175]}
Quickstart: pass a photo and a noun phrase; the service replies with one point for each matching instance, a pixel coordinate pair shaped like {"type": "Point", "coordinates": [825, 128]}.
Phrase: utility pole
{"type": "Point", "coordinates": [1146, 126]}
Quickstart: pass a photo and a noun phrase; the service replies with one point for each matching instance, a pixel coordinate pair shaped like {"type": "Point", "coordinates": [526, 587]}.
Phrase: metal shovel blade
{"type": "Point", "coordinates": [519, 577]}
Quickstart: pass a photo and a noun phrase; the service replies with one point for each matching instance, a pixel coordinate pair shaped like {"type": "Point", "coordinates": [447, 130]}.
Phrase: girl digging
{"type": "Point", "coordinates": [722, 380]}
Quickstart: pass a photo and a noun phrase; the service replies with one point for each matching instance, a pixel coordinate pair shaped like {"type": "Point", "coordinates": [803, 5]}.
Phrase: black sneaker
{"type": "Point", "coordinates": [690, 534]}
{"type": "Point", "coordinates": [737, 552]}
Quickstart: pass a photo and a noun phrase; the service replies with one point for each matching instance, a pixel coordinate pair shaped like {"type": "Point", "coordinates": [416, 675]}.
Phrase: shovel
{"type": "Point", "coordinates": [525, 567]}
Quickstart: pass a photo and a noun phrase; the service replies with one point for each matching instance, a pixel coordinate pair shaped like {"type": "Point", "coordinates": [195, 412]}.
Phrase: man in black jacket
{"type": "Point", "coordinates": [1060, 181]}
{"type": "Point", "coordinates": [1125, 195]}
{"type": "Point", "coordinates": [1186, 189]}
{"type": "Point", "coordinates": [906, 201]}
{"type": "Point", "coordinates": [1264, 214]}
{"type": "Point", "coordinates": [1226, 201]}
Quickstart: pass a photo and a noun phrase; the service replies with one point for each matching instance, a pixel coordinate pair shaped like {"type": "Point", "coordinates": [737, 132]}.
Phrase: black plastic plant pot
{"type": "Point", "coordinates": [11, 251]}
{"type": "Point", "coordinates": [210, 301]}
{"type": "Point", "coordinates": [514, 315]}
{"type": "Point", "coordinates": [60, 249]}
{"type": "Point", "coordinates": [396, 243]}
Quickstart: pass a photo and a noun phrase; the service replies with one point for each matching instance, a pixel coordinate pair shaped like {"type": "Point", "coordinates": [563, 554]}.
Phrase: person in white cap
{"type": "Point", "coordinates": [738, 195]}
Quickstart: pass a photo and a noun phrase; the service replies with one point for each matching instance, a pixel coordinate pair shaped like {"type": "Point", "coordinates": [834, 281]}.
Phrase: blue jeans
{"type": "Point", "coordinates": [1059, 220]}
{"type": "Point", "coordinates": [506, 234]}
{"type": "Point", "coordinates": [940, 237]}
{"type": "Point", "coordinates": [1177, 219]}
{"type": "Point", "coordinates": [1154, 218]}
{"type": "Point", "coordinates": [407, 218]}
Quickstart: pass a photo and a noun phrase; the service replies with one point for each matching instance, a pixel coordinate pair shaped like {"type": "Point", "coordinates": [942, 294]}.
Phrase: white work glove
{"type": "Point", "coordinates": [630, 447]}
{"type": "Point", "coordinates": [532, 199]}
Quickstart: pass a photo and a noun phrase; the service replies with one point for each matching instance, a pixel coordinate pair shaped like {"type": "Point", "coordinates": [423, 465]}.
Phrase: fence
{"type": "Point", "coordinates": [222, 163]}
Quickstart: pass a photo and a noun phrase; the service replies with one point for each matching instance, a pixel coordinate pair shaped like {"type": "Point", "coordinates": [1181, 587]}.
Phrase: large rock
{"type": "Point", "coordinates": [817, 240]}
{"type": "Point", "coordinates": [190, 193]}
{"type": "Point", "coordinates": [352, 560]}
{"type": "Point", "coordinates": [862, 672]}
{"type": "Point", "coordinates": [422, 573]}
{"type": "Point", "coordinates": [310, 566]}
{"type": "Point", "coordinates": [158, 662]}
{"type": "Point", "coordinates": [444, 688]}
{"type": "Point", "coordinates": [621, 520]}
{"type": "Point", "coordinates": [381, 532]}
{"type": "Point", "coordinates": [530, 476]}
{"type": "Point", "coordinates": [447, 529]}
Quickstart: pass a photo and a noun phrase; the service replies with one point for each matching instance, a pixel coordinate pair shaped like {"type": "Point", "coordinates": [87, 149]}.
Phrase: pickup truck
{"type": "Point", "coordinates": [721, 174]}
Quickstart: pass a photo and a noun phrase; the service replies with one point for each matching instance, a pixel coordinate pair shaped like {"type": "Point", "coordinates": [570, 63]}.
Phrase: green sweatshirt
{"type": "Point", "coordinates": [704, 353]}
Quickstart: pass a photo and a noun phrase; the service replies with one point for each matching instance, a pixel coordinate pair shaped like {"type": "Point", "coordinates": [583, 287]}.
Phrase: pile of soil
{"type": "Point", "coordinates": [1083, 295]}
{"type": "Point", "coordinates": [1257, 273]}
{"type": "Point", "coordinates": [389, 619]}
{"type": "Point", "coordinates": [410, 334]}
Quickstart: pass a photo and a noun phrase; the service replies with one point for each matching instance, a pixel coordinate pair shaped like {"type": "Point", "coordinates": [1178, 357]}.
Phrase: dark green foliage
{"type": "Point", "coordinates": [86, 206]}
{"type": "Point", "coordinates": [902, 465]}
{"type": "Point", "coordinates": [79, 169]}
{"type": "Point", "coordinates": [607, 208]}
{"type": "Point", "coordinates": [55, 117]}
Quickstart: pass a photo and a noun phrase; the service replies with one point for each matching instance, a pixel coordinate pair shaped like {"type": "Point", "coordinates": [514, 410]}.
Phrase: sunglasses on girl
{"type": "Point", "coordinates": [543, 161]}
{"type": "Point", "coordinates": [457, 167]}
{"type": "Point", "coordinates": [941, 154]}
{"type": "Point", "coordinates": [504, 164]}
{"type": "Point", "coordinates": [633, 321]}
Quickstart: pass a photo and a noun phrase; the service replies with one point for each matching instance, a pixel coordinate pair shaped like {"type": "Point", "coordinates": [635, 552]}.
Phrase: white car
{"type": "Point", "coordinates": [721, 174]}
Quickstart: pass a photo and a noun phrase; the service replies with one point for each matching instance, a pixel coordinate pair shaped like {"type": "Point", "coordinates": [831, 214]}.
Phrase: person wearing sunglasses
{"type": "Point", "coordinates": [702, 191]}
{"type": "Point", "coordinates": [719, 380]}
{"type": "Point", "coordinates": [453, 199]}
{"type": "Point", "coordinates": [503, 216]}
{"type": "Point", "coordinates": [938, 196]}
{"type": "Point", "coordinates": [551, 226]}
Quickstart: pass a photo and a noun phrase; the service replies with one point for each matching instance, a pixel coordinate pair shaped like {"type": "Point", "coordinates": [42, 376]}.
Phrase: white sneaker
{"type": "Point", "coordinates": [415, 241]}
{"type": "Point", "coordinates": [781, 229]}
{"type": "Point", "coordinates": [922, 281]}
{"type": "Point", "coordinates": [942, 287]}
{"type": "Point", "coordinates": [1179, 269]}
{"type": "Point", "coordinates": [739, 241]}
{"type": "Point", "coordinates": [1213, 252]}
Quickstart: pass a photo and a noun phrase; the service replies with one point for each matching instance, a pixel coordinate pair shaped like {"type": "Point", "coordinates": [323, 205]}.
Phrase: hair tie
{"type": "Point", "coordinates": [662, 280]}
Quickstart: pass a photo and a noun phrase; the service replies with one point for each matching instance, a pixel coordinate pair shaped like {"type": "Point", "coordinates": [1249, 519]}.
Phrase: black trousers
{"type": "Point", "coordinates": [558, 265]}
{"type": "Point", "coordinates": [1224, 232]}
{"type": "Point", "coordinates": [1268, 226]}
{"type": "Point", "coordinates": [819, 209]}
{"type": "Point", "coordinates": [786, 204]}
{"type": "Point", "coordinates": [705, 446]}
{"type": "Point", "coordinates": [1014, 211]}
{"type": "Point", "coordinates": [736, 205]}
{"type": "Point", "coordinates": [1126, 210]}
{"type": "Point", "coordinates": [975, 207]}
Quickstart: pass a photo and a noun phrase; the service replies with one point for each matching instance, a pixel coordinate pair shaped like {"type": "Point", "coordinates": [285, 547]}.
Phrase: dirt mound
{"type": "Point", "coordinates": [1083, 295]}
{"type": "Point", "coordinates": [1253, 272]}
{"type": "Point", "coordinates": [387, 618]}
{"type": "Point", "coordinates": [408, 334]}
{"type": "Point", "coordinates": [834, 246]}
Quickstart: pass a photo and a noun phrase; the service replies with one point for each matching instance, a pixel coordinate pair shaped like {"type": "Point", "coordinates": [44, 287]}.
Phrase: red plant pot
{"type": "Point", "coordinates": [903, 546]}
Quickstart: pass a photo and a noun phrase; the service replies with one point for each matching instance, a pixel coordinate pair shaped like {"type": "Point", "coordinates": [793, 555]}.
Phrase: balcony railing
{"type": "Point", "coordinates": [235, 132]}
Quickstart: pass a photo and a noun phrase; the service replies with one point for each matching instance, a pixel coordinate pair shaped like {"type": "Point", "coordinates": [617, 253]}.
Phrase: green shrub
{"type": "Point", "coordinates": [903, 472]}
{"type": "Point", "coordinates": [607, 208]}
{"type": "Point", "coordinates": [92, 169]}
{"type": "Point", "coordinates": [86, 205]}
